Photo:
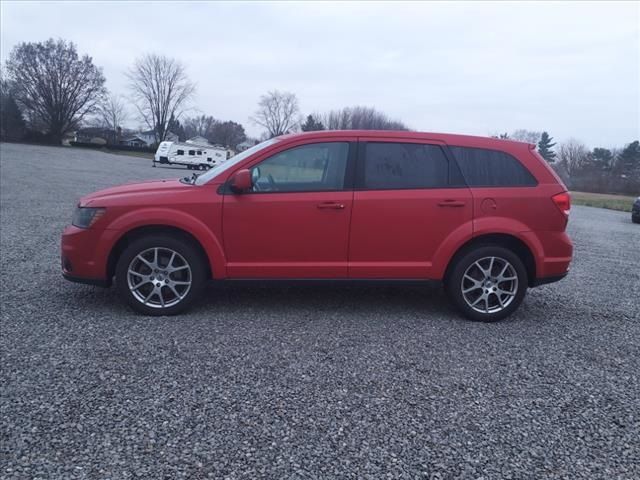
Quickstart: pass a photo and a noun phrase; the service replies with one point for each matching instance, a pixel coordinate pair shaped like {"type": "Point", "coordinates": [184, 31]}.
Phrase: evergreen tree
{"type": "Point", "coordinates": [311, 124]}
{"type": "Point", "coordinates": [174, 126]}
{"type": "Point", "coordinates": [602, 159]}
{"type": "Point", "coordinates": [12, 124]}
{"type": "Point", "coordinates": [545, 147]}
{"type": "Point", "coordinates": [629, 159]}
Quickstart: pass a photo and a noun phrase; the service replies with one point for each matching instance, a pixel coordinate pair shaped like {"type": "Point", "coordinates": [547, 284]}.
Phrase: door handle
{"type": "Point", "coordinates": [332, 205]}
{"type": "Point", "coordinates": [451, 203]}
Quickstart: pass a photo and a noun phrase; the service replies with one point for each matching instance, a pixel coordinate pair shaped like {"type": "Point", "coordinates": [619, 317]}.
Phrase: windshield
{"type": "Point", "coordinates": [215, 171]}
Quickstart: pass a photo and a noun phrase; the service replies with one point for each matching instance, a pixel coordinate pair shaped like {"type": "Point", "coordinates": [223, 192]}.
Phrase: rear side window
{"type": "Point", "coordinates": [398, 166]}
{"type": "Point", "coordinates": [491, 168]}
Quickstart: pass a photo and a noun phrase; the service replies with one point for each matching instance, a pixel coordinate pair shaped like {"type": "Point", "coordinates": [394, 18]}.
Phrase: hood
{"type": "Point", "coordinates": [130, 191]}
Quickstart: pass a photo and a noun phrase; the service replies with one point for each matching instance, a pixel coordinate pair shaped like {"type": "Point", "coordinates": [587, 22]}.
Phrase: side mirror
{"type": "Point", "coordinates": [241, 181]}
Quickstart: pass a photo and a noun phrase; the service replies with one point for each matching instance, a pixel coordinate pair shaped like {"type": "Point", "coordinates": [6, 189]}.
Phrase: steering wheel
{"type": "Point", "coordinates": [272, 185]}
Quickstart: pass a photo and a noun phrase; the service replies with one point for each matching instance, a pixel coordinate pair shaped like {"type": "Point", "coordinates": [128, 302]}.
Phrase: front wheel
{"type": "Point", "coordinates": [160, 274]}
{"type": "Point", "coordinates": [487, 284]}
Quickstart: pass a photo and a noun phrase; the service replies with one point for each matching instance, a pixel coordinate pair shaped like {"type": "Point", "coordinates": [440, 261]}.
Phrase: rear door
{"type": "Point", "coordinates": [409, 200]}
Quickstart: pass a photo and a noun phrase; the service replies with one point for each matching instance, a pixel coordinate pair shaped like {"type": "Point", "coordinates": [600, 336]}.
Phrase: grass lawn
{"type": "Point", "coordinates": [602, 200]}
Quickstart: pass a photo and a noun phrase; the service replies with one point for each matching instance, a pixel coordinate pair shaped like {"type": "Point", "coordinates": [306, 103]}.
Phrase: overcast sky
{"type": "Point", "coordinates": [570, 68]}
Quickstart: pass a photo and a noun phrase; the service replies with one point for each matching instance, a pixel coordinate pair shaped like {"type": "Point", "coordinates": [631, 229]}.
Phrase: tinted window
{"type": "Point", "coordinates": [180, 152]}
{"type": "Point", "coordinates": [491, 168]}
{"type": "Point", "coordinates": [403, 166]}
{"type": "Point", "coordinates": [315, 167]}
{"type": "Point", "coordinates": [192, 152]}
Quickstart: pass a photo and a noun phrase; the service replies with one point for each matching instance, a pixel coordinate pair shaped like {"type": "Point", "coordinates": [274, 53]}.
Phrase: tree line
{"type": "Point", "coordinates": [600, 169]}
{"type": "Point", "coordinates": [48, 91]}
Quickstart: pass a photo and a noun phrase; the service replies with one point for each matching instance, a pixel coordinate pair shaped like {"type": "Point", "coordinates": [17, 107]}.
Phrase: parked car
{"type": "Point", "coordinates": [635, 211]}
{"type": "Point", "coordinates": [486, 217]}
{"type": "Point", "coordinates": [193, 156]}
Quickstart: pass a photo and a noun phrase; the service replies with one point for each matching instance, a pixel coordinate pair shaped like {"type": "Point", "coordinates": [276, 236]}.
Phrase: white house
{"type": "Point", "coordinates": [245, 145]}
{"type": "Point", "coordinates": [146, 139]}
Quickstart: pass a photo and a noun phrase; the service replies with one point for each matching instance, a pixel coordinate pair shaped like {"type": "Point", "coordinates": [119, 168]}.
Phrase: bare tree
{"type": "Point", "coordinates": [53, 86]}
{"type": "Point", "coordinates": [113, 114]}
{"type": "Point", "coordinates": [360, 118]}
{"type": "Point", "coordinates": [161, 90]}
{"type": "Point", "coordinates": [201, 125]}
{"type": "Point", "coordinates": [523, 135]}
{"type": "Point", "coordinates": [277, 112]}
{"type": "Point", "coordinates": [228, 133]}
{"type": "Point", "coordinates": [573, 156]}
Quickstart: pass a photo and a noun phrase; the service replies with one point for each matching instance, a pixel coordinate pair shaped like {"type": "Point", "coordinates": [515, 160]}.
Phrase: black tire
{"type": "Point", "coordinates": [483, 253]}
{"type": "Point", "coordinates": [635, 218]}
{"type": "Point", "coordinates": [166, 243]}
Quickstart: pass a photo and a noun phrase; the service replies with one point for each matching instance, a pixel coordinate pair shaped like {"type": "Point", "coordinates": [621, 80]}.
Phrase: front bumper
{"type": "Point", "coordinates": [84, 254]}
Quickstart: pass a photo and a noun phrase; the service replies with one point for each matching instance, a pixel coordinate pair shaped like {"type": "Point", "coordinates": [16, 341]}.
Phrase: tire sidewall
{"type": "Point", "coordinates": [454, 282]}
{"type": "Point", "coordinates": [185, 248]}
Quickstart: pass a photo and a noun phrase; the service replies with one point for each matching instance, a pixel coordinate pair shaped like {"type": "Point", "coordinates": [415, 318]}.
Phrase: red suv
{"type": "Point", "coordinates": [486, 217]}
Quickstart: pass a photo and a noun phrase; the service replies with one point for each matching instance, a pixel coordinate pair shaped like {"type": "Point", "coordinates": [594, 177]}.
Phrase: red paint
{"type": "Point", "coordinates": [394, 234]}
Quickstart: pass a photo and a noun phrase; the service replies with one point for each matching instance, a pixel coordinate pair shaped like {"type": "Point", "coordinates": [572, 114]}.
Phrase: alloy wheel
{"type": "Point", "coordinates": [159, 277]}
{"type": "Point", "coordinates": [489, 284]}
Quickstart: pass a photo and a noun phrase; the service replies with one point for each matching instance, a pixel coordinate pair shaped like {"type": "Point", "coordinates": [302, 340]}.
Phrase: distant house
{"type": "Point", "coordinates": [245, 145]}
{"type": "Point", "coordinates": [97, 135]}
{"type": "Point", "coordinates": [135, 141]}
{"type": "Point", "coordinates": [146, 139]}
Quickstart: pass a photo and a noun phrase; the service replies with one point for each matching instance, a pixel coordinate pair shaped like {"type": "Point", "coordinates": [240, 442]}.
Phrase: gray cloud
{"type": "Point", "coordinates": [570, 68]}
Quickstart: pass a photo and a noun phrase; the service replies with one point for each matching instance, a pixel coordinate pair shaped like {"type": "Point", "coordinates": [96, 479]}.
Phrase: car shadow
{"type": "Point", "coordinates": [357, 303]}
{"type": "Point", "coordinates": [365, 301]}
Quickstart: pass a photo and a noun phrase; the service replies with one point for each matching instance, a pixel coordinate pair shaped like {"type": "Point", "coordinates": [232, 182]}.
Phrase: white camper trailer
{"type": "Point", "coordinates": [194, 156]}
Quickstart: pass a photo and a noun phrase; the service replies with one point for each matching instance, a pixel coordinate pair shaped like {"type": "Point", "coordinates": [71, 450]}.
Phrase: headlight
{"type": "Point", "coordinates": [84, 217]}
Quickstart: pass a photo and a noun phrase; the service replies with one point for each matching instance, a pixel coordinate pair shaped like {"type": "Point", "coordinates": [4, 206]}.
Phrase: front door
{"type": "Point", "coordinates": [294, 223]}
{"type": "Point", "coordinates": [409, 200]}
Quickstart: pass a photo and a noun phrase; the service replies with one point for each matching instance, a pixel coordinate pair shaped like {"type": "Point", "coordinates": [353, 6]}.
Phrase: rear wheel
{"type": "Point", "coordinates": [487, 283]}
{"type": "Point", "coordinates": [160, 274]}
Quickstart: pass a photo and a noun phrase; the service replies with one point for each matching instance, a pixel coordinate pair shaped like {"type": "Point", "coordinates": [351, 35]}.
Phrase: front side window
{"type": "Point", "coordinates": [491, 168]}
{"type": "Point", "coordinates": [308, 168]}
{"type": "Point", "coordinates": [398, 166]}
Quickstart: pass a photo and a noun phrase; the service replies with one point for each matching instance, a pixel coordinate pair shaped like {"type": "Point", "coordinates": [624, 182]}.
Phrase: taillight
{"type": "Point", "coordinates": [563, 202]}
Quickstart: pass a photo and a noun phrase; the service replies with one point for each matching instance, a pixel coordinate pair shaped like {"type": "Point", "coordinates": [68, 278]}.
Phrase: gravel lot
{"type": "Point", "coordinates": [306, 382]}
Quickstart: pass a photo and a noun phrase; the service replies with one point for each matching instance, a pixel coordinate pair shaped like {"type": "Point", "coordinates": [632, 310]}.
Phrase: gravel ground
{"type": "Point", "coordinates": [306, 382]}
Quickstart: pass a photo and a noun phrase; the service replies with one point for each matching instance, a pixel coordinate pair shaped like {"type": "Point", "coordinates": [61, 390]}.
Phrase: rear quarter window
{"type": "Point", "coordinates": [491, 168]}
